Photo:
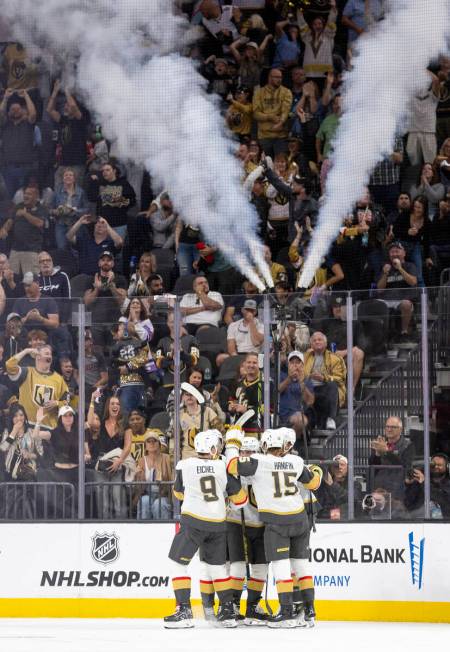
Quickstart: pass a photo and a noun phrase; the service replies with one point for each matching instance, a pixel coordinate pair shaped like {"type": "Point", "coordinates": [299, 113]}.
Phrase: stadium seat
{"type": "Point", "coordinates": [183, 284]}
{"type": "Point", "coordinates": [160, 420]}
{"type": "Point", "coordinates": [65, 259]}
{"type": "Point", "coordinates": [373, 315]}
{"type": "Point", "coordinates": [210, 339]}
{"type": "Point", "coordinates": [165, 259]}
{"type": "Point", "coordinates": [229, 368]}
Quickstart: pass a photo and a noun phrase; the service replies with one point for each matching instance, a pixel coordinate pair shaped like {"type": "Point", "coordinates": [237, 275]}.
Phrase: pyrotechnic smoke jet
{"type": "Point", "coordinates": [389, 70]}
{"type": "Point", "coordinates": [124, 57]}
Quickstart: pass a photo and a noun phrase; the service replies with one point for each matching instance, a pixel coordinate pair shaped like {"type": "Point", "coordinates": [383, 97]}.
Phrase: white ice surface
{"type": "Point", "coordinates": [149, 635]}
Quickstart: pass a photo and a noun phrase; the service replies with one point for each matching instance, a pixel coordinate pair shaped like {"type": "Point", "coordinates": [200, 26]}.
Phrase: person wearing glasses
{"type": "Point", "coordinates": [54, 283]}
{"type": "Point", "coordinates": [392, 449]}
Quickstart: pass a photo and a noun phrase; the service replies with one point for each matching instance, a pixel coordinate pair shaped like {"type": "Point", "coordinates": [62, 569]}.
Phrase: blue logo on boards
{"type": "Point", "coordinates": [416, 553]}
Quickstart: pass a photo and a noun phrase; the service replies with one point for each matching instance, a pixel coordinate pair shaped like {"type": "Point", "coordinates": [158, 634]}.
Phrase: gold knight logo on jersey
{"type": "Point", "coordinates": [42, 394]}
{"type": "Point", "coordinates": [105, 547]}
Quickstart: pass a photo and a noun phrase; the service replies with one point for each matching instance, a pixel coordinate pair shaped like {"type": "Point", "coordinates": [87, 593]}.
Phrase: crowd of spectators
{"type": "Point", "coordinates": [78, 224]}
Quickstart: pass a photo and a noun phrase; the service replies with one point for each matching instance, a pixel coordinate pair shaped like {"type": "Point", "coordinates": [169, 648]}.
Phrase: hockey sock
{"type": "Point", "coordinates": [221, 582]}
{"type": "Point", "coordinates": [296, 595]}
{"type": "Point", "coordinates": [302, 569]}
{"type": "Point", "coordinates": [256, 583]}
{"type": "Point", "coordinates": [282, 573]}
{"type": "Point", "coordinates": [237, 576]}
{"type": "Point", "coordinates": [206, 586]}
{"type": "Point", "coordinates": [181, 583]}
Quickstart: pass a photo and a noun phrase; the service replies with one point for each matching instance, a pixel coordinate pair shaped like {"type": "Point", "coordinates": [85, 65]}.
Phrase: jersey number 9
{"type": "Point", "coordinates": [285, 484]}
{"type": "Point", "coordinates": [208, 487]}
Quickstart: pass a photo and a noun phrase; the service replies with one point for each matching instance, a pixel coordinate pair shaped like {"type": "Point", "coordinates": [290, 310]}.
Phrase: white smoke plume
{"type": "Point", "coordinates": [389, 70]}
{"type": "Point", "coordinates": [124, 56]}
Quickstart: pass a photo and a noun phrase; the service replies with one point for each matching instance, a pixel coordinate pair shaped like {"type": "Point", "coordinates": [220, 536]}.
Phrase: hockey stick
{"type": "Point", "coordinates": [245, 545]}
{"type": "Point", "coordinates": [266, 591]}
{"type": "Point", "coordinates": [310, 509]}
{"type": "Point", "coordinates": [244, 418]}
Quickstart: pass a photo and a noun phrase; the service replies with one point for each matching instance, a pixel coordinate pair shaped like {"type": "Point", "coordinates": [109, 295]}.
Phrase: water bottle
{"type": "Point", "coordinates": [373, 291]}
{"type": "Point", "coordinates": [207, 374]}
{"type": "Point", "coordinates": [125, 328]}
{"type": "Point", "coordinates": [133, 264]}
{"type": "Point", "coordinates": [435, 510]}
{"type": "Point", "coordinates": [333, 347]}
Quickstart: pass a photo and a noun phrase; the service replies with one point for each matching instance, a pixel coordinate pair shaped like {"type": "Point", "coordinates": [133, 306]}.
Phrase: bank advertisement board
{"type": "Point", "coordinates": [97, 564]}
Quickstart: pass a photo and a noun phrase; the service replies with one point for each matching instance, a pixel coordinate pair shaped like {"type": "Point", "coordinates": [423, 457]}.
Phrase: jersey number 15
{"type": "Point", "coordinates": [285, 484]}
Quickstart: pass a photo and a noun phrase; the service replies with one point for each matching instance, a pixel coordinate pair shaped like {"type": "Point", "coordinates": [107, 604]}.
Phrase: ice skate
{"type": "Point", "coordinates": [285, 618]}
{"type": "Point", "coordinates": [310, 615]}
{"type": "Point", "coordinates": [254, 616]}
{"type": "Point", "coordinates": [226, 616]}
{"type": "Point", "coordinates": [181, 619]}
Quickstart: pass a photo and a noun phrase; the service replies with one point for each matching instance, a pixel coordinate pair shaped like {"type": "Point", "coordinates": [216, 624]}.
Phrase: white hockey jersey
{"type": "Point", "coordinates": [202, 485]}
{"type": "Point", "coordinates": [274, 483]}
{"type": "Point", "coordinates": [250, 509]}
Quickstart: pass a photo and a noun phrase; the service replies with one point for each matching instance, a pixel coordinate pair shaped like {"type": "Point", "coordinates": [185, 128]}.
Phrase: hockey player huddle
{"type": "Point", "coordinates": [242, 511]}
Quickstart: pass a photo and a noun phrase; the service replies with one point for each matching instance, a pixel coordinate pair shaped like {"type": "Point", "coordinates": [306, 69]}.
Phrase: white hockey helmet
{"type": "Point", "coordinates": [205, 441]}
{"type": "Point", "coordinates": [250, 444]}
{"type": "Point", "coordinates": [271, 439]}
{"type": "Point", "coordinates": [289, 438]}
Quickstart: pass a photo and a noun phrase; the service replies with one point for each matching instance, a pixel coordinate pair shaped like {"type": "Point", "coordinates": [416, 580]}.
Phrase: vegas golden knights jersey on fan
{"type": "Point", "coordinates": [36, 388]}
{"type": "Point", "coordinates": [274, 483]}
{"type": "Point", "coordinates": [250, 509]}
{"type": "Point", "coordinates": [203, 485]}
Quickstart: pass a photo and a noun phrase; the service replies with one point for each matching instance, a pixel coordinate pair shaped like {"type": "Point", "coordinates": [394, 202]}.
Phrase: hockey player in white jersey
{"type": "Point", "coordinates": [303, 595]}
{"type": "Point", "coordinates": [274, 481]}
{"type": "Point", "coordinates": [245, 538]}
{"type": "Point", "coordinates": [202, 484]}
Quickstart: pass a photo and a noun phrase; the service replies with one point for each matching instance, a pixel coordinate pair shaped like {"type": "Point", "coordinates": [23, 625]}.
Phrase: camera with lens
{"type": "Point", "coordinates": [369, 502]}
{"type": "Point", "coordinates": [410, 474]}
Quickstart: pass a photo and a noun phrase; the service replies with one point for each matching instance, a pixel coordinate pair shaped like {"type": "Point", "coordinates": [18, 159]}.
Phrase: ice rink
{"type": "Point", "coordinates": [148, 635]}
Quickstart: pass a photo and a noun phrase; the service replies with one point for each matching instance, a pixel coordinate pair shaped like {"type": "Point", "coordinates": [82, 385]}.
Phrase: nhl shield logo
{"type": "Point", "coordinates": [105, 547]}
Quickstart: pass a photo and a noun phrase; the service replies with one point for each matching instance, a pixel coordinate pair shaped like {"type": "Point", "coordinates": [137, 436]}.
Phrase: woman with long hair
{"type": "Point", "coordinates": [139, 281]}
{"type": "Point", "coordinates": [153, 468]}
{"type": "Point", "coordinates": [109, 452]}
{"type": "Point", "coordinates": [22, 444]}
{"type": "Point", "coordinates": [441, 164]}
{"type": "Point", "coordinates": [69, 203]}
{"type": "Point", "coordinates": [21, 449]}
{"type": "Point", "coordinates": [413, 231]}
{"type": "Point", "coordinates": [62, 502]}
{"type": "Point", "coordinates": [427, 186]}
{"type": "Point", "coordinates": [138, 323]}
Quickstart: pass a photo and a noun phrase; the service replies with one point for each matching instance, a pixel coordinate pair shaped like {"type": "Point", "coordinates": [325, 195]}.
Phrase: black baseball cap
{"type": "Point", "coordinates": [106, 253]}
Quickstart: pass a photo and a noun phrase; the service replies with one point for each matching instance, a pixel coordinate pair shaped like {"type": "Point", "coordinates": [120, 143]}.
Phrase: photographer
{"type": "Point", "coordinates": [333, 492]}
{"type": "Point", "coordinates": [382, 505]}
{"type": "Point", "coordinates": [439, 488]}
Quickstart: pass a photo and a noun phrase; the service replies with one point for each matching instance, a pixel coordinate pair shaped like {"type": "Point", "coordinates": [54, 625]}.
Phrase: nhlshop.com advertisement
{"type": "Point", "coordinates": [349, 562]}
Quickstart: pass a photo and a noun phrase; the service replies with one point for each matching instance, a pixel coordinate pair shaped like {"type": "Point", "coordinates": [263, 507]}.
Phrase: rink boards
{"type": "Point", "coordinates": [380, 572]}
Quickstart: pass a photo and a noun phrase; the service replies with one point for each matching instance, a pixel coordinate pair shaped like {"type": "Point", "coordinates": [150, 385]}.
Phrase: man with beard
{"type": "Point", "coordinates": [403, 206]}
{"type": "Point", "coordinates": [106, 296]}
{"type": "Point", "coordinates": [439, 487]}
